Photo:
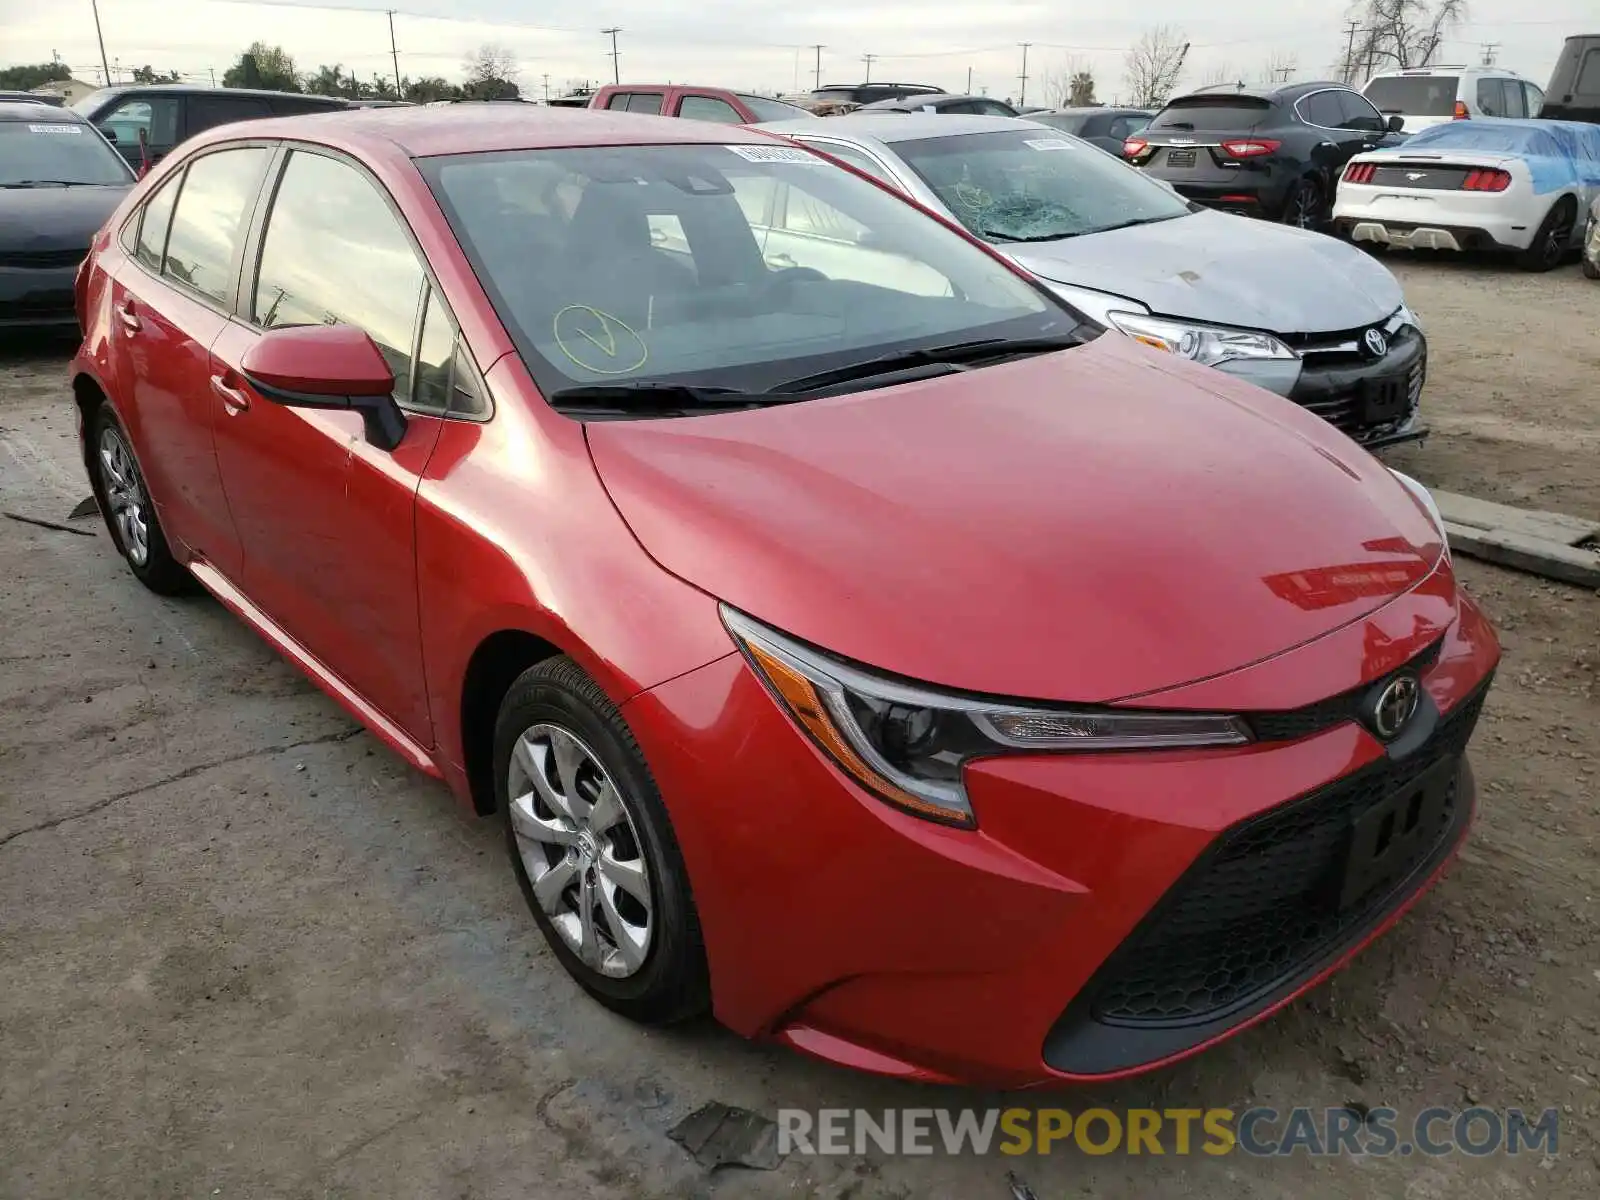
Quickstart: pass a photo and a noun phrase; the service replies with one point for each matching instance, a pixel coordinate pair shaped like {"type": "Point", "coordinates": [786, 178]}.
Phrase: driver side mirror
{"type": "Point", "coordinates": [328, 366]}
{"type": "Point", "coordinates": [1396, 124]}
{"type": "Point", "coordinates": [109, 134]}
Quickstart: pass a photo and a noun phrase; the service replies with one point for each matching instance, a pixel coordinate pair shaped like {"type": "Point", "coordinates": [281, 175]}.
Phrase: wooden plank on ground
{"type": "Point", "coordinates": [1486, 515]}
{"type": "Point", "coordinates": [1572, 564]}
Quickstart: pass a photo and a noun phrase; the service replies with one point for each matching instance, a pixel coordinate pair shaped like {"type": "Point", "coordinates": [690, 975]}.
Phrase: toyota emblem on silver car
{"type": "Point", "coordinates": [1377, 345]}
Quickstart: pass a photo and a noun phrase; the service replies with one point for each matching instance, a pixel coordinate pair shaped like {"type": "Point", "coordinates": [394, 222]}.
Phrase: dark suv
{"type": "Point", "coordinates": [871, 93]}
{"type": "Point", "coordinates": [168, 113]}
{"type": "Point", "coordinates": [1272, 152]}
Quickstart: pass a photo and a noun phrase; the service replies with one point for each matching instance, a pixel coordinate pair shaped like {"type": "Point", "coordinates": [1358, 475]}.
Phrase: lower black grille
{"type": "Point", "coordinates": [1290, 725]}
{"type": "Point", "coordinates": [1273, 895]}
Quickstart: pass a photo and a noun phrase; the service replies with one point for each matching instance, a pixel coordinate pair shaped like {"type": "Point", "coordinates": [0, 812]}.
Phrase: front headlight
{"type": "Point", "coordinates": [909, 744]}
{"type": "Point", "coordinates": [1210, 345]}
{"type": "Point", "coordinates": [1425, 498]}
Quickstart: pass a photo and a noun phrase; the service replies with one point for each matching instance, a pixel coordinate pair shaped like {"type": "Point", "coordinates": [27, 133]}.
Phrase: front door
{"type": "Point", "coordinates": [143, 127]}
{"type": "Point", "coordinates": [326, 519]}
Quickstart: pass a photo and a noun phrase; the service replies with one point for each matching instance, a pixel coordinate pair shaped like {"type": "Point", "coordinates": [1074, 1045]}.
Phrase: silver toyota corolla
{"type": "Point", "coordinates": [1300, 313]}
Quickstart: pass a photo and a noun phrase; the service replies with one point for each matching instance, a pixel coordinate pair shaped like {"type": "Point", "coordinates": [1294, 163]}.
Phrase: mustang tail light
{"type": "Point", "coordinates": [1461, 111]}
{"type": "Point", "coordinates": [1134, 147]}
{"type": "Point", "coordinates": [1249, 147]}
{"type": "Point", "coordinates": [1488, 179]}
{"type": "Point", "coordinates": [1360, 172]}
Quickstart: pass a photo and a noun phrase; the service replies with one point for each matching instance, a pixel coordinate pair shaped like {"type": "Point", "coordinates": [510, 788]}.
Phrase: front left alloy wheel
{"type": "Point", "coordinates": [593, 849]}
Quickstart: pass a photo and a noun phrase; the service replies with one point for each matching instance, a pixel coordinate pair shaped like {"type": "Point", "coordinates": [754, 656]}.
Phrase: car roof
{"type": "Point", "coordinates": [424, 131]}
{"type": "Point", "coordinates": [1288, 91]}
{"type": "Point", "coordinates": [38, 114]}
{"type": "Point", "coordinates": [921, 98]}
{"type": "Point", "coordinates": [908, 127]}
{"type": "Point", "coordinates": [200, 89]}
{"type": "Point", "coordinates": [1091, 110]}
{"type": "Point", "coordinates": [1442, 69]}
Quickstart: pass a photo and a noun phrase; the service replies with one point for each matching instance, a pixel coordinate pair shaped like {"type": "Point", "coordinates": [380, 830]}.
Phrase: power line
{"type": "Point", "coordinates": [616, 58]}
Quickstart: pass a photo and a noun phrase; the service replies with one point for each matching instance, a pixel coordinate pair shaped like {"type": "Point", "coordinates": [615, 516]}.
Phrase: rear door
{"type": "Point", "coordinates": [203, 111]}
{"type": "Point", "coordinates": [169, 305]}
{"type": "Point", "coordinates": [326, 519]}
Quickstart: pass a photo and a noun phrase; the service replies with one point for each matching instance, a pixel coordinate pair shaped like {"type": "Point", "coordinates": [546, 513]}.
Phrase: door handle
{"type": "Point", "coordinates": [233, 400]}
{"type": "Point", "coordinates": [129, 318]}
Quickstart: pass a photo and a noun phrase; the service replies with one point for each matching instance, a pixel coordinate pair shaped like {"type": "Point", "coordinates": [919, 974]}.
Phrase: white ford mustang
{"type": "Point", "coordinates": [1518, 186]}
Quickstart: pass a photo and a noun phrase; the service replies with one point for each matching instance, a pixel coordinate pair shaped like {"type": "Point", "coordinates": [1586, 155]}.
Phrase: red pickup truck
{"type": "Point", "coordinates": [695, 103]}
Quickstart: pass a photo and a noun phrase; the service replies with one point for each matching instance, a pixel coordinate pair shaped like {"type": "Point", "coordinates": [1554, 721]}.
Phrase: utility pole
{"type": "Point", "coordinates": [969, 81]}
{"type": "Point", "coordinates": [1488, 52]}
{"type": "Point", "coordinates": [394, 56]}
{"type": "Point", "coordinates": [213, 71]}
{"type": "Point", "coordinates": [1348, 75]}
{"type": "Point", "coordinates": [616, 60]}
{"type": "Point", "coordinates": [547, 87]}
{"type": "Point", "coordinates": [818, 47]}
{"type": "Point", "coordinates": [867, 58]}
{"type": "Point", "coordinates": [1022, 98]}
{"type": "Point", "coordinates": [101, 38]}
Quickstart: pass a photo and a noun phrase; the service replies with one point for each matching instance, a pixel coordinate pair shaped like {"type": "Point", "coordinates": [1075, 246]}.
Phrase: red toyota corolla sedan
{"type": "Point", "coordinates": [855, 641]}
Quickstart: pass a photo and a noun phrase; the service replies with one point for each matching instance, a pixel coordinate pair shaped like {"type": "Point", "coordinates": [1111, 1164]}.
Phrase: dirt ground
{"type": "Point", "coordinates": [245, 952]}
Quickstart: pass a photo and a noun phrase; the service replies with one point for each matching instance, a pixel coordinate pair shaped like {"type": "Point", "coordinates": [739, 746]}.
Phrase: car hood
{"type": "Point", "coordinates": [40, 219]}
{"type": "Point", "coordinates": [1211, 266]}
{"type": "Point", "coordinates": [1084, 526]}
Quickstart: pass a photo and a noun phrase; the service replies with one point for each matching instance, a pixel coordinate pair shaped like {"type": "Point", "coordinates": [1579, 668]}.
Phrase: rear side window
{"type": "Point", "coordinates": [155, 116]}
{"type": "Point", "coordinates": [708, 108]}
{"type": "Point", "coordinates": [207, 112]}
{"type": "Point", "coordinates": [153, 225]}
{"type": "Point", "coordinates": [1355, 112]}
{"type": "Point", "coordinates": [648, 103]}
{"type": "Point", "coordinates": [208, 224]}
{"type": "Point", "coordinates": [1215, 114]}
{"type": "Point", "coordinates": [302, 104]}
{"type": "Point", "coordinates": [1321, 108]}
{"type": "Point", "coordinates": [1414, 95]}
{"type": "Point", "coordinates": [1589, 74]}
{"type": "Point", "coordinates": [334, 253]}
{"type": "Point", "coordinates": [619, 101]}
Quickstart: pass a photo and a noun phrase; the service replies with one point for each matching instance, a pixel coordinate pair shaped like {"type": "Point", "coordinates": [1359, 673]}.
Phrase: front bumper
{"type": "Point", "coordinates": [848, 929]}
{"type": "Point", "coordinates": [38, 298]}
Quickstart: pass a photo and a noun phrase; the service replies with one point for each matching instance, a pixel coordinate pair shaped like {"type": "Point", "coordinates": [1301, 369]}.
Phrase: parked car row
{"type": "Point", "coordinates": [846, 624]}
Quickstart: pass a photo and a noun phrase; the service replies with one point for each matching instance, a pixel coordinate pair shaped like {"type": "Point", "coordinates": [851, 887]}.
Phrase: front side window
{"type": "Point", "coordinates": [709, 108]}
{"type": "Point", "coordinates": [57, 154]}
{"type": "Point", "coordinates": [334, 254]}
{"type": "Point", "coordinates": [735, 266]}
{"type": "Point", "coordinates": [1491, 102]}
{"type": "Point", "coordinates": [208, 225]}
{"type": "Point", "coordinates": [155, 116]}
{"type": "Point", "coordinates": [1356, 113]}
{"type": "Point", "coordinates": [1021, 186]}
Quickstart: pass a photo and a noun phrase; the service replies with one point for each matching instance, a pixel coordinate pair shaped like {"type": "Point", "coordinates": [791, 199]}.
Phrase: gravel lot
{"type": "Point", "coordinates": [245, 952]}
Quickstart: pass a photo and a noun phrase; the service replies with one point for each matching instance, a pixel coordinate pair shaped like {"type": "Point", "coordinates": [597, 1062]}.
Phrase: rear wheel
{"type": "Point", "coordinates": [120, 490]}
{"type": "Point", "coordinates": [1303, 207]}
{"type": "Point", "coordinates": [1549, 245]}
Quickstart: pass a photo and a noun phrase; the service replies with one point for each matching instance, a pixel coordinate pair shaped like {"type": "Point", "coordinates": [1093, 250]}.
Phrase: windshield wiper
{"type": "Point", "coordinates": [28, 183]}
{"type": "Point", "coordinates": [656, 398]}
{"type": "Point", "coordinates": [952, 355]}
{"type": "Point", "coordinates": [1141, 221]}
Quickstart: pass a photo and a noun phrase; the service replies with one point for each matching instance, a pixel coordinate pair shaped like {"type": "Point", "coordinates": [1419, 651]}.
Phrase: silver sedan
{"type": "Point", "coordinates": [1299, 313]}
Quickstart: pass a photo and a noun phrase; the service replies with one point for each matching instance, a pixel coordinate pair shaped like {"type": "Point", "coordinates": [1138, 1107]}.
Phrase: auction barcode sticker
{"type": "Point", "coordinates": [788, 154]}
{"type": "Point", "coordinates": [63, 127]}
{"type": "Point", "coordinates": [1047, 143]}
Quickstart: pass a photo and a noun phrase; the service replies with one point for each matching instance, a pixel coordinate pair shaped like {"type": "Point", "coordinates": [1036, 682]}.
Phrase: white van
{"type": "Point", "coordinates": [1425, 96]}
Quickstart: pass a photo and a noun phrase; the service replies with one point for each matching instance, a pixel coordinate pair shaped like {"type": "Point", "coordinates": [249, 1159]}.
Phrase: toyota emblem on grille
{"type": "Point", "coordinates": [1395, 707]}
{"type": "Point", "coordinates": [1377, 345]}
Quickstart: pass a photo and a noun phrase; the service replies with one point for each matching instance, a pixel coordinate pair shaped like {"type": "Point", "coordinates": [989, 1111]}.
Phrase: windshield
{"type": "Point", "coordinates": [721, 266]}
{"type": "Point", "coordinates": [57, 152]}
{"type": "Point", "coordinates": [1222, 113]}
{"type": "Point", "coordinates": [1026, 185]}
{"type": "Point", "coordinates": [1414, 95]}
{"type": "Point", "coordinates": [772, 110]}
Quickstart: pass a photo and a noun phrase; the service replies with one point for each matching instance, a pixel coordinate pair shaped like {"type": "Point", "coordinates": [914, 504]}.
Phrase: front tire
{"type": "Point", "coordinates": [1550, 243]}
{"type": "Point", "coordinates": [593, 849]}
{"type": "Point", "coordinates": [124, 499]}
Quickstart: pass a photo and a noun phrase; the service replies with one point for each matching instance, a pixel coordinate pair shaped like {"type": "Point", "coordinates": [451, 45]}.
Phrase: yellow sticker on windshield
{"type": "Point", "coordinates": [599, 342]}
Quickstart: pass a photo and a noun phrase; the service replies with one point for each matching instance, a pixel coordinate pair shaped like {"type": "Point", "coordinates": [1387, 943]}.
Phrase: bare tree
{"type": "Point", "coordinates": [1280, 67]}
{"type": "Point", "coordinates": [491, 72]}
{"type": "Point", "coordinates": [1222, 72]}
{"type": "Point", "coordinates": [1398, 33]}
{"type": "Point", "coordinates": [1069, 84]}
{"type": "Point", "coordinates": [1152, 67]}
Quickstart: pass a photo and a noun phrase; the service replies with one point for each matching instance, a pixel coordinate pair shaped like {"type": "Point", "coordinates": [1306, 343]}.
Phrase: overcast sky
{"type": "Point", "coordinates": [748, 44]}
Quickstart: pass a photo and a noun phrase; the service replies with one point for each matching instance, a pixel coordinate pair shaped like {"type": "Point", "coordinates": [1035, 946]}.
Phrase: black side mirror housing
{"type": "Point", "coordinates": [381, 419]}
{"type": "Point", "coordinates": [1396, 124]}
{"type": "Point", "coordinates": [109, 134]}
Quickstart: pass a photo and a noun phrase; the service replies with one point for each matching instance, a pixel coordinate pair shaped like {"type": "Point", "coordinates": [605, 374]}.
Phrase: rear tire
{"type": "Point", "coordinates": [593, 849]}
{"type": "Point", "coordinates": [1303, 206]}
{"type": "Point", "coordinates": [1550, 244]}
{"type": "Point", "coordinates": [1591, 266]}
{"type": "Point", "coordinates": [124, 500]}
